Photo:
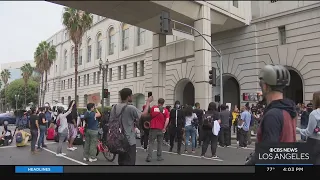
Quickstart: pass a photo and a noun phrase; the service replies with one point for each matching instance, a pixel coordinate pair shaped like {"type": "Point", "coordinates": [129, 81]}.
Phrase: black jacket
{"type": "Point", "coordinates": [180, 118]}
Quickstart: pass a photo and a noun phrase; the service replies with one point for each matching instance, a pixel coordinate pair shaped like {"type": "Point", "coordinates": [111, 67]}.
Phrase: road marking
{"type": "Point", "coordinates": [236, 147]}
{"type": "Point", "coordinates": [188, 155]}
{"type": "Point", "coordinates": [66, 157]}
{"type": "Point", "coordinates": [3, 147]}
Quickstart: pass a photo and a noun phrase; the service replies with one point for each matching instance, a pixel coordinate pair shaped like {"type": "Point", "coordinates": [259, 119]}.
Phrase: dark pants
{"type": "Point", "coordinates": [314, 147]}
{"type": "Point", "coordinates": [237, 134]}
{"type": "Point", "coordinates": [175, 132]}
{"type": "Point", "coordinates": [166, 136]}
{"type": "Point", "coordinates": [303, 138]}
{"type": "Point", "coordinates": [34, 136]}
{"type": "Point", "coordinates": [209, 138]}
{"type": "Point", "coordinates": [128, 158]}
{"type": "Point", "coordinates": [43, 129]}
{"type": "Point", "coordinates": [243, 138]}
{"type": "Point", "coordinates": [145, 138]}
{"type": "Point", "coordinates": [155, 134]}
{"type": "Point", "coordinates": [200, 134]}
{"type": "Point", "coordinates": [224, 136]}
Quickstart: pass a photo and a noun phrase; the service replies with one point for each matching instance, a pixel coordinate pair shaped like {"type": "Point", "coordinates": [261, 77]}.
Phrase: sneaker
{"type": "Point", "coordinates": [75, 148]}
{"type": "Point", "coordinates": [202, 156]}
{"type": "Point", "coordinates": [193, 151]}
{"type": "Point", "coordinates": [44, 146]}
{"type": "Point", "coordinates": [85, 159]}
{"type": "Point", "coordinates": [63, 154]}
{"type": "Point", "coordinates": [214, 157]}
{"type": "Point", "coordinates": [70, 149]}
{"type": "Point", "coordinates": [59, 155]}
{"type": "Point", "coordinates": [93, 159]}
{"type": "Point", "coordinates": [179, 152]}
{"type": "Point", "coordinates": [186, 152]}
{"type": "Point", "coordinates": [145, 150]}
{"type": "Point", "coordinates": [237, 142]}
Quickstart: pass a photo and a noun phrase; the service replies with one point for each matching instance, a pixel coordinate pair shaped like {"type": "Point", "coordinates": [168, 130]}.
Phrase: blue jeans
{"type": "Point", "coordinates": [41, 137]}
{"type": "Point", "coordinates": [303, 138]}
{"type": "Point", "coordinates": [190, 131]}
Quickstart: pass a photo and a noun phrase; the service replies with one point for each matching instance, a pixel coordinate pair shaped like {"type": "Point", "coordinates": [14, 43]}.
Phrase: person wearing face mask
{"type": "Point", "coordinates": [176, 124]}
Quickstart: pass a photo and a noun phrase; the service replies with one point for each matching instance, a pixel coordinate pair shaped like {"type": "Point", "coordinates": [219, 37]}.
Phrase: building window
{"type": "Point", "coordinates": [64, 84]}
{"type": "Point", "coordinates": [111, 35]}
{"type": "Point", "coordinates": [235, 3]}
{"type": "Point", "coordinates": [88, 79]}
{"type": "Point", "coordinates": [141, 68]}
{"type": "Point", "coordinates": [98, 77]}
{"type": "Point", "coordinates": [80, 55]}
{"type": "Point", "coordinates": [61, 85]}
{"type": "Point", "coordinates": [48, 87]}
{"type": "Point", "coordinates": [71, 83]}
{"type": "Point", "coordinates": [110, 74]}
{"type": "Point", "coordinates": [65, 59]}
{"type": "Point", "coordinates": [89, 51]}
{"type": "Point", "coordinates": [54, 86]}
{"type": "Point", "coordinates": [78, 81]}
{"type": "Point", "coordinates": [135, 69]}
{"type": "Point", "coordinates": [68, 83]}
{"type": "Point", "coordinates": [94, 77]}
{"type": "Point", "coordinates": [99, 46]}
{"type": "Point", "coordinates": [62, 100]}
{"type": "Point", "coordinates": [85, 97]}
{"type": "Point", "coordinates": [282, 35]}
{"type": "Point", "coordinates": [84, 80]}
{"type": "Point", "coordinates": [124, 71]}
{"type": "Point", "coordinates": [141, 36]}
{"type": "Point", "coordinates": [72, 58]}
{"type": "Point", "coordinates": [119, 72]}
{"type": "Point", "coordinates": [125, 37]}
{"type": "Point", "coordinates": [56, 68]}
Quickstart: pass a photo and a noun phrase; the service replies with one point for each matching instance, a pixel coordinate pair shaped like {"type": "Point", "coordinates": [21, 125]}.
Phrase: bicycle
{"type": "Point", "coordinates": [102, 147]}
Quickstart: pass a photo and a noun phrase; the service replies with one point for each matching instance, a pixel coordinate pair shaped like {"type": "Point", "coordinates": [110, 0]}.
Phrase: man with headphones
{"type": "Point", "coordinates": [279, 121]}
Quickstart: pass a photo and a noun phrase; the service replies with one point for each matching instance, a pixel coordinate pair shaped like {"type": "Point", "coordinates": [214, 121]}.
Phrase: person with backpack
{"type": "Point", "coordinates": [91, 133]}
{"type": "Point", "coordinates": [158, 125]}
{"type": "Point", "coordinates": [191, 124]}
{"type": "Point", "coordinates": [121, 138]}
{"type": "Point", "coordinates": [176, 125]}
{"type": "Point", "coordinates": [22, 137]}
{"type": "Point", "coordinates": [208, 137]}
{"type": "Point", "coordinates": [62, 125]}
{"type": "Point", "coordinates": [48, 115]}
{"type": "Point", "coordinates": [279, 118]}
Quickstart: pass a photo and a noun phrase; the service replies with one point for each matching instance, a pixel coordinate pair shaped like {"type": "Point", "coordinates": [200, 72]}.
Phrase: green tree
{"type": "Point", "coordinates": [27, 71]}
{"type": "Point", "coordinates": [0, 84]}
{"type": "Point", "coordinates": [77, 22]}
{"type": "Point", "coordinates": [5, 76]}
{"type": "Point", "coordinates": [44, 56]}
{"type": "Point", "coordinates": [17, 87]}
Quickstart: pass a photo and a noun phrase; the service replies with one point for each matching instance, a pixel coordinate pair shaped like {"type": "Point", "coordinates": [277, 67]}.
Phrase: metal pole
{"type": "Point", "coordinates": [221, 82]}
{"type": "Point", "coordinates": [102, 91]}
{"type": "Point", "coordinates": [107, 66]}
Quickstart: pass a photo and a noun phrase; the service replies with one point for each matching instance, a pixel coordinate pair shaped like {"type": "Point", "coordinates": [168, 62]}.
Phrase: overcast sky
{"type": "Point", "coordinates": [24, 24]}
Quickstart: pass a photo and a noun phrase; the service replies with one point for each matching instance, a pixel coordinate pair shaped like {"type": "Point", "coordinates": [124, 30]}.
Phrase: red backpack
{"type": "Point", "coordinates": [50, 134]}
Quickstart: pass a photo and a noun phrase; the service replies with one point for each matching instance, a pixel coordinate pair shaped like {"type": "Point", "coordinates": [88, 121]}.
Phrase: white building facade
{"type": "Point", "coordinates": [249, 35]}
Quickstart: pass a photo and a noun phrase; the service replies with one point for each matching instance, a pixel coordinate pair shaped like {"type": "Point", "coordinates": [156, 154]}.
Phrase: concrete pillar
{"type": "Point", "coordinates": [158, 69]}
{"type": "Point", "coordinates": [203, 91]}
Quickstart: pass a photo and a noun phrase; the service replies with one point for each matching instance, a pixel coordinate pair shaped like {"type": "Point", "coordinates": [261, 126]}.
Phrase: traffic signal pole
{"type": "Point", "coordinates": [218, 52]}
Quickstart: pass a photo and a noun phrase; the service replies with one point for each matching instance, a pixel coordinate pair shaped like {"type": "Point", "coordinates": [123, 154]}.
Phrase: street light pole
{"type": "Point", "coordinates": [103, 67]}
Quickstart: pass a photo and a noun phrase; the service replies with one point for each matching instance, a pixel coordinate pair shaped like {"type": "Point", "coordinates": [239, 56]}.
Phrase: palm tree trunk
{"type": "Point", "coordinates": [41, 91]}
{"type": "Point", "coordinates": [45, 86]}
{"type": "Point", "coordinates": [25, 94]}
{"type": "Point", "coordinates": [5, 98]}
{"type": "Point", "coordinates": [76, 71]}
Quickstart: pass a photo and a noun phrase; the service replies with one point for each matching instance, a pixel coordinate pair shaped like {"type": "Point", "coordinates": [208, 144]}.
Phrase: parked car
{"type": "Point", "coordinates": [10, 117]}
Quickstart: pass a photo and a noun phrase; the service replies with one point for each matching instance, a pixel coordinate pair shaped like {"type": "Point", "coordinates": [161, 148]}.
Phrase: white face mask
{"type": "Point", "coordinates": [177, 106]}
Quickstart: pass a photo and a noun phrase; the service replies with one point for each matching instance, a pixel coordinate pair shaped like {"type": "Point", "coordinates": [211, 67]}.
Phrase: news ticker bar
{"type": "Point", "coordinates": [134, 169]}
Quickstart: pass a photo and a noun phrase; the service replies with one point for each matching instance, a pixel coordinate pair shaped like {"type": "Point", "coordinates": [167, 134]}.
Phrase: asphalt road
{"type": "Point", "coordinates": [12, 155]}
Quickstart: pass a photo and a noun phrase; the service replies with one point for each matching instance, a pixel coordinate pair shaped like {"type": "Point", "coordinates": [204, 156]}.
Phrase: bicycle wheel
{"type": "Point", "coordinates": [108, 155]}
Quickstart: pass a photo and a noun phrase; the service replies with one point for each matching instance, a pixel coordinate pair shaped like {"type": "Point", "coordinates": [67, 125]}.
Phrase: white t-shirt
{"type": "Point", "coordinates": [189, 119]}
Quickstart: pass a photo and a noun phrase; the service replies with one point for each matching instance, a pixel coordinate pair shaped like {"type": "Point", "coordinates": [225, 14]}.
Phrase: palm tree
{"type": "Point", "coordinates": [44, 56]}
{"type": "Point", "coordinates": [5, 76]}
{"type": "Point", "coordinates": [77, 22]}
{"type": "Point", "coordinates": [27, 71]}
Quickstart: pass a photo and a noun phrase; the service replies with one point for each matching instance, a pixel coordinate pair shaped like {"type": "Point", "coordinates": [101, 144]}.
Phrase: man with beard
{"type": "Point", "coordinates": [176, 124]}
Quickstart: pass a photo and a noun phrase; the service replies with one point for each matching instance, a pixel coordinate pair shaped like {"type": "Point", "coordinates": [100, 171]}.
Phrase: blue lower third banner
{"type": "Point", "coordinates": [283, 153]}
{"type": "Point", "coordinates": [39, 169]}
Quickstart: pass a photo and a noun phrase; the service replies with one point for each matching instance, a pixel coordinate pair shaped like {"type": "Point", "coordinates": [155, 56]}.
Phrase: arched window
{"type": "Point", "coordinates": [72, 57]}
{"type": "Point", "coordinates": [77, 100]}
{"type": "Point", "coordinates": [85, 100]}
{"type": "Point", "coordinates": [111, 35]}
{"type": "Point", "coordinates": [89, 50]}
{"type": "Point", "coordinates": [80, 55]}
{"type": "Point", "coordinates": [125, 36]}
{"type": "Point", "coordinates": [99, 46]}
{"type": "Point", "coordinates": [62, 100]}
{"type": "Point", "coordinates": [141, 36]}
{"type": "Point", "coordinates": [65, 62]}
{"type": "Point", "coordinates": [69, 99]}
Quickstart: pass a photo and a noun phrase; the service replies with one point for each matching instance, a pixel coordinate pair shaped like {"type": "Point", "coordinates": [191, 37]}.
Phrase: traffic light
{"type": "Point", "coordinates": [106, 93]}
{"type": "Point", "coordinates": [212, 76]}
{"type": "Point", "coordinates": [164, 22]}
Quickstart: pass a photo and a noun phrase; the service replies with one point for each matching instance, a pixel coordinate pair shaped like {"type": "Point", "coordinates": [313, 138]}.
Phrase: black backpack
{"type": "Point", "coordinates": [208, 119]}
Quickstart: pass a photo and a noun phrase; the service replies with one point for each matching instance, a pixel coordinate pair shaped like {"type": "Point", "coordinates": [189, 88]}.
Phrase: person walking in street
{"type": "Point", "coordinates": [244, 127]}
{"type": "Point", "coordinates": [72, 125]}
{"type": "Point", "coordinates": [62, 128]}
{"type": "Point", "coordinates": [34, 129]}
{"type": "Point", "coordinates": [176, 125]}
{"type": "Point", "coordinates": [208, 137]}
{"type": "Point", "coordinates": [158, 125]}
{"type": "Point", "coordinates": [42, 127]}
{"type": "Point", "coordinates": [199, 112]}
{"type": "Point", "coordinates": [129, 115]}
{"type": "Point", "coordinates": [145, 130]}
{"type": "Point", "coordinates": [191, 122]}
{"type": "Point", "coordinates": [224, 134]}
{"type": "Point", "coordinates": [312, 131]}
